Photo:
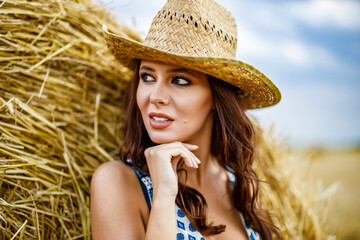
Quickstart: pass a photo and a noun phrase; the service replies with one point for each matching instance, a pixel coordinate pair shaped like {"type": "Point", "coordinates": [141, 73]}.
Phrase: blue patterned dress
{"type": "Point", "coordinates": [184, 229]}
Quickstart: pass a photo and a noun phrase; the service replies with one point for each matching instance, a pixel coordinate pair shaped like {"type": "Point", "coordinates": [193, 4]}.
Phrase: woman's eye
{"type": "Point", "coordinates": [181, 81]}
{"type": "Point", "coordinates": [147, 77]}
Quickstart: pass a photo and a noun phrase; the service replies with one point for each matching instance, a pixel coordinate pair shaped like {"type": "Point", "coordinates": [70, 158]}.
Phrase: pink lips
{"type": "Point", "coordinates": [160, 124]}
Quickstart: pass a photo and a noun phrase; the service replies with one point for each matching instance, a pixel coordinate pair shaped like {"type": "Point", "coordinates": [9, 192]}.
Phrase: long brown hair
{"type": "Point", "coordinates": [233, 143]}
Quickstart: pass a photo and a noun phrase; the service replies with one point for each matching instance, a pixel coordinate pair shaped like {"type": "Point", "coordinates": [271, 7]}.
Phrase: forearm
{"type": "Point", "coordinates": [162, 221]}
{"type": "Point", "coordinates": [162, 161]}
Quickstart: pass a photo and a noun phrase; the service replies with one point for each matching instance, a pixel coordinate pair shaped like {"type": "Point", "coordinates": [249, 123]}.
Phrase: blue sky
{"type": "Point", "coordinates": [310, 49]}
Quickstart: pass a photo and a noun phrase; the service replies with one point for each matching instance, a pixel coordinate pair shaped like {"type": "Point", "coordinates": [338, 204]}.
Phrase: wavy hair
{"type": "Point", "coordinates": [233, 142]}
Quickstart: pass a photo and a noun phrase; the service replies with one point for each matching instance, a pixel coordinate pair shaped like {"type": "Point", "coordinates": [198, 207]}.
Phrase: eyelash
{"type": "Point", "coordinates": [182, 77]}
{"type": "Point", "coordinates": [143, 75]}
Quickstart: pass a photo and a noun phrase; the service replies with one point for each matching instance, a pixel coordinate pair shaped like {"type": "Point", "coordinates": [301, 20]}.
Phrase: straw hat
{"type": "Point", "coordinates": [200, 35]}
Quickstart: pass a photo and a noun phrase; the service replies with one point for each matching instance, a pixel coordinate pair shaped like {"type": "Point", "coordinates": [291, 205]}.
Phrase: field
{"type": "Point", "coordinates": [326, 167]}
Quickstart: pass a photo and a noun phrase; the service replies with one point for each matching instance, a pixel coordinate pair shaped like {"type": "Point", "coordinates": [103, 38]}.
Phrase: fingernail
{"type": "Point", "coordinates": [198, 161]}
{"type": "Point", "coordinates": [192, 145]}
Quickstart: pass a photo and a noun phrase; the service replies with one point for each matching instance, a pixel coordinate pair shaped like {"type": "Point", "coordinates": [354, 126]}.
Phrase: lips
{"type": "Point", "coordinates": [160, 120]}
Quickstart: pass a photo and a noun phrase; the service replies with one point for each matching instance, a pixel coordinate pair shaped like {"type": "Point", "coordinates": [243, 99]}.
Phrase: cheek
{"type": "Point", "coordinates": [141, 98]}
{"type": "Point", "coordinates": [197, 109]}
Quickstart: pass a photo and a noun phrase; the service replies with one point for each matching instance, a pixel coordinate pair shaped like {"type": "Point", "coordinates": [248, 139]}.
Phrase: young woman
{"type": "Point", "coordinates": [188, 146]}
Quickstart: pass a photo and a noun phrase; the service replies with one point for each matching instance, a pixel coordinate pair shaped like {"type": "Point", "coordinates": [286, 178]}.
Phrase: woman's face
{"type": "Point", "coordinates": [175, 102]}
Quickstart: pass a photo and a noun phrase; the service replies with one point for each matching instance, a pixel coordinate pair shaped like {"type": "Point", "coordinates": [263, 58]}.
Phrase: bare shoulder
{"type": "Point", "coordinates": [118, 207]}
{"type": "Point", "coordinates": [114, 178]}
{"type": "Point", "coordinates": [116, 172]}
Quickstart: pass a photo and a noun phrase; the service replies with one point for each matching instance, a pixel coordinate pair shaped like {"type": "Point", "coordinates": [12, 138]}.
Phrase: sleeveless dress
{"type": "Point", "coordinates": [184, 229]}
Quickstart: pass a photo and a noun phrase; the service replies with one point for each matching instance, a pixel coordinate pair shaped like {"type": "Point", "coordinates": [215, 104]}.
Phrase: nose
{"type": "Point", "coordinates": [159, 96]}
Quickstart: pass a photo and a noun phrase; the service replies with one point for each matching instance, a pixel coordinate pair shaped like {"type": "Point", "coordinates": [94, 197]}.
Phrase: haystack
{"type": "Point", "coordinates": [61, 103]}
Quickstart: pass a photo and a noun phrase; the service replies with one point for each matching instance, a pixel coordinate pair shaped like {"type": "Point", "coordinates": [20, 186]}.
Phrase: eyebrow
{"type": "Point", "coordinates": [182, 70]}
{"type": "Point", "coordinates": [174, 70]}
{"type": "Point", "coordinates": [144, 67]}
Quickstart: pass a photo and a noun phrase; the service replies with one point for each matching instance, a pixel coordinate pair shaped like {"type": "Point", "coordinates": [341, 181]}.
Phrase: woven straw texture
{"type": "Point", "coordinates": [61, 96]}
{"type": "Point", "coordinates": [200, 35]}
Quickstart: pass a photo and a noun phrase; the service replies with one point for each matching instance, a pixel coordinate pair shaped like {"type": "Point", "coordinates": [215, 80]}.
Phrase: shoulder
{"type": "Point", "coordinates": [116, 195]}
{"type": "Point", "coordinates": [116, 172]}
{"type": "Point", "coordinates": [115, 179]}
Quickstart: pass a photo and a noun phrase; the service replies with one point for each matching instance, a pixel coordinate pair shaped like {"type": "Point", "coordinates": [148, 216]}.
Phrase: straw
{"type": "Point", "coordinates": [299, 209]}
{"type": "Point", "coordinates": [61, 95]}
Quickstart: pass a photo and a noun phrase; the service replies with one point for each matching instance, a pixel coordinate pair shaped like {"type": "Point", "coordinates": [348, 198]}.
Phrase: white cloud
{"type": "Point", "coordinates": [308, 55]}
{"type": "Point", "coordinates": [137, 14]}
{"type": "Point", "coordinates": [295, 52]}
{"type": "Point", "coordinates": [282, 49]}
{"type": "Point", "coordinates": [267, 15]}
{"type": "Point", "coordinates": [343, 14]}
{"type": "Point", "coordinates": [270, 32]}
{"type": "Point", "coordinates": [252, 43]}
{"type": "Point", "coordinates": [315, 114]}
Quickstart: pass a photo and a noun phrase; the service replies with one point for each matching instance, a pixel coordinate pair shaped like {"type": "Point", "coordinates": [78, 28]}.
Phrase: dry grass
{"type": "Point", "coordinates": [61, 95]}
{"type": "Point", "coordinates": [341, 166]}
{"type": "Point", "coordinates": [300, 209]}
{"type": "Point", "coordinates": [60, 102]}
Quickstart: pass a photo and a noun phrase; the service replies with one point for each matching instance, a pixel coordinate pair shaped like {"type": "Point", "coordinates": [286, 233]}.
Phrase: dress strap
{"type": "Point", "coordinates": [231, 175]}
{"type": "Point", "coordinates": [250, 232]}
{"type": "Point", "coordinates": [146, 186]}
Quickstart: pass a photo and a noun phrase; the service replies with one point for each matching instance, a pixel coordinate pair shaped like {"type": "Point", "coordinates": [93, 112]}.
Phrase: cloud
{"type": "Point", "coordinates": [137, 14]}
{"type": "Point", "coordinates": [308, 55]}
{"type": "Point", "coordinates": [286, 15]}
{"type": "Point", "coordinates": [283, 49]}
{"type": "Point", "coordinates": [271, 32]}
{"type": "Point", "coordinates": [315, 114]}
{"type": "Point", "coordinates": [266, 15]}
{"type": "Point", "coordinates": [343, 14]}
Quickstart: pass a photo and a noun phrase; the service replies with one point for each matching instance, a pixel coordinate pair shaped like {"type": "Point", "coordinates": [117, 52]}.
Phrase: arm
{"type": "Point", "coordinates": [162, 221]}
{"type": "Point", "coordinates": [117, 200]}
{"type": "Point", "coordinates": [162, 161]}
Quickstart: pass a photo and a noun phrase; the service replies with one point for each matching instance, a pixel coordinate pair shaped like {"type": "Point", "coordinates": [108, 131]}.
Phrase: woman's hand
{"type": "Point", "coordinates": [162, 161]}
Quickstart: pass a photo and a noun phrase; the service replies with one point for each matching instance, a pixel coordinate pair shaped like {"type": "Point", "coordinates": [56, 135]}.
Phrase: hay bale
{"type": "Point", "coordinates": [61, 96]}
{"type": "Point", "coordinates": [299, 210]}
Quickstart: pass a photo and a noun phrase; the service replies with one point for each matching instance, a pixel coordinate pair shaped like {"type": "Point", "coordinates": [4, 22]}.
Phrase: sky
{"type": "Point", "coordinates": [309, 48]}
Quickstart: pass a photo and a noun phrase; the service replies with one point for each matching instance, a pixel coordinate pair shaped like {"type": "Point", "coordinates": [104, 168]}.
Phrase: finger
{"type": "Point", "coordinates": [193, 156]}
{"type": "Point", "coordinates": [191, 147]}
{"type": "Point", "coordinates": [188, 146]}
{"type": "Point", "coordinates": [180, 145]}
{"type": "Point", "coordinates": [178, 151]}
{"type": "Point", "coordinates": [194, 159]}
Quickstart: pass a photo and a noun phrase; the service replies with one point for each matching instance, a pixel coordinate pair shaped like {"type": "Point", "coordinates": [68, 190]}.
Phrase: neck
{"type": "Point", "coordinates": [209, 168]}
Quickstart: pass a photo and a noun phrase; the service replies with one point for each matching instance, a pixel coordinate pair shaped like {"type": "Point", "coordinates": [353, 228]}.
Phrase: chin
{"type": "Point", "coordinates": [161, 138]}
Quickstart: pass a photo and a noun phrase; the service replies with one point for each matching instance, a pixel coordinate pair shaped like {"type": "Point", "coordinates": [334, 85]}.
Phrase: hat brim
{"type": "Point", "coordinates": [257, 91]}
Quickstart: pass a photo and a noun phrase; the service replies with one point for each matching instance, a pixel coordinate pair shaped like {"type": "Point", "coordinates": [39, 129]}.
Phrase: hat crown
{"type": "Point", "coordinates": [198, 28]}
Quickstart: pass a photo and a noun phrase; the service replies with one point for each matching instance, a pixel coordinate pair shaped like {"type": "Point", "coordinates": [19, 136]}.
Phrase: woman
{"type": "Point", "coordinates": [188, 146]}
